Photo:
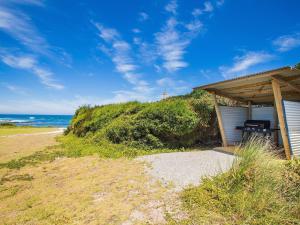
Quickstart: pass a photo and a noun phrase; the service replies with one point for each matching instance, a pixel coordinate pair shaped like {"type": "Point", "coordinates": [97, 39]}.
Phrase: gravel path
{"type": "Point", "coordinates": [184, 168]}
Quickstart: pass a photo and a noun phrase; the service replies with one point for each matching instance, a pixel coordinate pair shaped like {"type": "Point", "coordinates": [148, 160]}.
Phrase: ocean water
{"type": "Point", "coordinates": [37, 120]}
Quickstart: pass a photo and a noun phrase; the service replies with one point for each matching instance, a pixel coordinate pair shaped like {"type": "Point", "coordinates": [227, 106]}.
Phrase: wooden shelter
{"type": "Point", "coordinates": [269, 88]}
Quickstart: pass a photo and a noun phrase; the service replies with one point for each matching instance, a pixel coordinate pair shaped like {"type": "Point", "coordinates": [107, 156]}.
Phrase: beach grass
{"type": "Point", "coordinates": [258, 189]}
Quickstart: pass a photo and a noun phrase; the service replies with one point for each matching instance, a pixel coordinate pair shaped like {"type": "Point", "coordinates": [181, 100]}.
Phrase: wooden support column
{"type": "Point", "coordinates": [276, 138]}
{"type": "Point", "coordinates": [279, 108]}
{"type": "Point", "coordinates": [220, 121]}
{"type": "Point", "coordinates": [249, 110]}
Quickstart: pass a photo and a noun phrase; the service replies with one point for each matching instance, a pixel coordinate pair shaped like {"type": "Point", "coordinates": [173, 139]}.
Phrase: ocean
{"type": "Point", "coordinates": [37, 120]}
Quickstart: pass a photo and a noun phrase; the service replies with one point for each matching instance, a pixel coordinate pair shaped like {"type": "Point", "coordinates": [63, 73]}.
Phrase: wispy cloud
{"type": "Point", "coordinates": [119, 51]}
{"type": "Point", "coordinates": [287, 42]}
{"type": "Point", "coordinates": [171, 46]}
{"type": "Point", "coordinates": [121, 55]}
{"type": "Point", "coordinates": [20, 27]}
{"type": "Point", "coordinates": [208, 7]}
{"type": "Point", "coordinates": [244, 62]}
{"type": "Point", "coordinates": [23, 2]}
{"type": "Point", "coordinates": [172, 6]}
{"type": "Point", "coordinates": [136, 30]}
{"type": "Point", "coordinates": [143, 16]}
{"type": "Point", "coordinates": [30, 63]}
{"type": "Point", "coordinates": [219, 3]}
{"type": "Point", "coordinates": [173, 39]}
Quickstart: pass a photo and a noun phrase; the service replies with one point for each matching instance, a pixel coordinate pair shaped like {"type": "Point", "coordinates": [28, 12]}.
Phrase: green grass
{"type": "Point", "coordinates": [73, 147]}
{"type": "Point", "coordinates": [7, 130]}
{"type": "Point", "coordinates": [259, 189]}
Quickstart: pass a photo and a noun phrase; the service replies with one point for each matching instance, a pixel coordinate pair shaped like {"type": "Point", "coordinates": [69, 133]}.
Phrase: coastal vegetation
{"type": "Point", "coordinates": [89, 169]}
{"type": "Point", "coordinates": [258, 189]}
{"type": "Point", "coordinates": [174, 123]}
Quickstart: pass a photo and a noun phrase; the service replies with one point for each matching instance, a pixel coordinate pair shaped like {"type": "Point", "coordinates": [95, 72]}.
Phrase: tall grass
{"type": "Point", "coordinates": [259, 189]}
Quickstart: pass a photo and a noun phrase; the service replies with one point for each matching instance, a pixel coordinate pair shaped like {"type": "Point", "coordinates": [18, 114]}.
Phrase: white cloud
{"type": "Point", "coordinates": [29, 63]}
{"type": "Point", "coordinates": [24, 2]}
{"type": "Point", "coordinates": [171, 46]}
{"type": "Point", "coordinates": [172, 7]}
{"type": "Point", "coordinates": [219, 3]}
{"type": "Point", "coordinates": [143, 16]}
{"type": "Point", "coordinates": [244, 62]}
{"type": "Point", "coordinates": [287, 42]}
{"type": "Point", "coordinates": [136, 30]}
{"type": "Point", "coordinates": [174, 38]}
{"type": "Point", "coordinates": [196, 12]}
{"type": "Point", "coordinates": [208, 7]}
{"type": "Point", "coordinates": [172, 42]}
{"type": "Point", "coordinates": [121, 55]}
{"type": "Point", "coordinates": [19, 26]}
{"type": "Point", "coordinates": [194, 26]}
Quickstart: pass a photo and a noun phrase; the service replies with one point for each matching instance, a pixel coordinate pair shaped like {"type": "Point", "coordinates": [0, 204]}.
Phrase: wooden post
{"type": "Point", "coordinates": [220, 121]}
{"type": "Point", "coordinates": [279, 107]}
{"type": "Point", "coordinates": [249, 110]}
{"type": "Point", "coordinates": [275, 125]}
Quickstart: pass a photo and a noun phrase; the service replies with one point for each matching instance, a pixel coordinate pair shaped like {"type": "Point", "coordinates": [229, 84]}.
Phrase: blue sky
{"type": "Point", "coordinates": [57, 55]}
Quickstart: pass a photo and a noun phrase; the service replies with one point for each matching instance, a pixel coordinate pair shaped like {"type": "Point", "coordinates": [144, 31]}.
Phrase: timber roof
{"type": "Point", "coordinates": [257, 87]}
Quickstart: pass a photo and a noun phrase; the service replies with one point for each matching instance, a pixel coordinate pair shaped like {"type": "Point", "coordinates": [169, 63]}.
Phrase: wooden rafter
{"type": "Point", "coordinates": [241, 87]}
{"type": "Point", "coordinates": [259, 91]}
{"type": "Point", "coordinates": [288, 83]}
{"type": "Point", "coordinates": [222, 94]}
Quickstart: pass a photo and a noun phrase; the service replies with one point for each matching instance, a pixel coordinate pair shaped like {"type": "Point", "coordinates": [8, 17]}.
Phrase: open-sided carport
{"type": "Point", "coordinates": [271, 95]}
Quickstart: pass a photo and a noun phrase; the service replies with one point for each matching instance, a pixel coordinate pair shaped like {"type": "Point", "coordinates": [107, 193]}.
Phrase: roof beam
{"type": "Point", "coordinates": [288, 83]}
{"type": "Point", "coordinates": [222, 94]}
{"type": "Point", "coordinates": [241, 87]}
{"type": "Point", "coordinates": [246, 86]}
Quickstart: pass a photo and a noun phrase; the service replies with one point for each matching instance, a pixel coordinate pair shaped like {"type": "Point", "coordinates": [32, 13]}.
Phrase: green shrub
{"type": "Point", "coordinates": [181, 121]}
{"type": "Point", "coordinates": [155, 126]}
{"type": "Point", "coordinates": [259, 189]}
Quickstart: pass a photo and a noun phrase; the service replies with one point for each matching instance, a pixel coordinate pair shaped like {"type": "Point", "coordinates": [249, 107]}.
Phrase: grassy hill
{"type": "Point", "coordinates": [176, 122]}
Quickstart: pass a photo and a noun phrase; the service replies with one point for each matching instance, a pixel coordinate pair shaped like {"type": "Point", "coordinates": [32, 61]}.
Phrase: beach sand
{"type": "Point", "coordinates": [20, 142]}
